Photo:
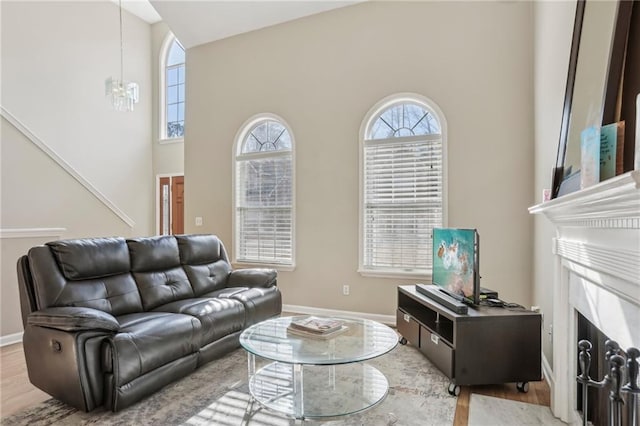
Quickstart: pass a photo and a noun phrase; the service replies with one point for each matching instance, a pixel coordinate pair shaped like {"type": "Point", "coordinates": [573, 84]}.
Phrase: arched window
{"type": "Point", "coordinates": [402, 186]}
{"type": "Point", "coordinates": [172, 97]}
{"type": "Point", "coordinates": [263, 193]}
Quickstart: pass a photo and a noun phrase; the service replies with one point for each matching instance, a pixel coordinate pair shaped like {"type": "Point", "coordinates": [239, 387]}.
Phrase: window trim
{"type": "Point", "coordinates": [163, 139]}
{"type": "Point", "coordinates": [367, 122]}
{"type": "Point", "coordinates": [237, 153]}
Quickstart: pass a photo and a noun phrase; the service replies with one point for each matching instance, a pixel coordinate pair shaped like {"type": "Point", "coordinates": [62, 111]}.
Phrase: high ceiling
{"type": "Point", "coordinates": [196, 22]}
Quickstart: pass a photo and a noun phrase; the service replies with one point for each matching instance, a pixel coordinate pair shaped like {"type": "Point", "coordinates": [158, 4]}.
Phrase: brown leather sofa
{"type": "Point", "coordinates": [108, 321]}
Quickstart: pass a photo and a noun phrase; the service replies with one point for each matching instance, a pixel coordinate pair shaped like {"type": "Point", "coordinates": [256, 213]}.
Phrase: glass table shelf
{"type": "Point", "coordinates": [314, 378]}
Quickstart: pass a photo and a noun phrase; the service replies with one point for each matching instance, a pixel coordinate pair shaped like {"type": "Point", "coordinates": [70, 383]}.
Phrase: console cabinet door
{"type": "Point", "coordinates": [408, 327]}
{"type": "Point", "coordinates": [438, 352]}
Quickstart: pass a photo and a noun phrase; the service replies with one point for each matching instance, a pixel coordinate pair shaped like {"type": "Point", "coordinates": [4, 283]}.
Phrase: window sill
{"type": "Point", "coordinates": [277, 267]}
{"type": "Point", "coordinates": [170, 141]}
{"type": "Point", "coordinates": [389, 273]}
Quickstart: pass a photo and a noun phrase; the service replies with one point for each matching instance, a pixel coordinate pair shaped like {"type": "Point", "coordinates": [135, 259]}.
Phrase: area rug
{"type": "Point", "coordinates": [490, 411]}
{"type": "Point", "coordinates": [217, 394]}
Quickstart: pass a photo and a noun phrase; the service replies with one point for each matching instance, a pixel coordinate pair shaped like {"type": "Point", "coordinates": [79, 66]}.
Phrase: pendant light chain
{"type": "Point", "coordinates": [121, 94]}
{"type": "Point", "coordinates": [121, 46]}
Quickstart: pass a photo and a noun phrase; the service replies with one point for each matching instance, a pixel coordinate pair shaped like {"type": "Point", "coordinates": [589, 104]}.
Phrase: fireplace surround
{"type": "Point", "coordinates": [596, 253]}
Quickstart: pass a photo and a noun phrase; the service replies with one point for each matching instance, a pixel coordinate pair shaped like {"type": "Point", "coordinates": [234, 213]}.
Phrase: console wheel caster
{"type": "Point", "coordinates": [522, 387]}
{"type": "Point", "coordinates": [402, 341]}
{"type": "Point", "coordinates": [453, 389]}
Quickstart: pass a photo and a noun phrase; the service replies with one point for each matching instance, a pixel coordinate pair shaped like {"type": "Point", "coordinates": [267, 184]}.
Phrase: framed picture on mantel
{"type": "Point", "coordinates": [603, 84]}
{"type": "Point", "coordinates": [636, 162]}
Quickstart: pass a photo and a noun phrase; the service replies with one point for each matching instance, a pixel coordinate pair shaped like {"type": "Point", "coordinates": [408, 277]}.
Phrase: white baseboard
{"type": "Point", "coordinates": [10, 339]}
{"type": "Point", "coordinates": [309, 310]}
{"type": "Point", "coordinates": [548, 373]}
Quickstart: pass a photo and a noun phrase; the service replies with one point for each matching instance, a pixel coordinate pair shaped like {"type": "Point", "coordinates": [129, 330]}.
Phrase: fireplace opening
{"type": "Point", "coordinates": [598, 398]}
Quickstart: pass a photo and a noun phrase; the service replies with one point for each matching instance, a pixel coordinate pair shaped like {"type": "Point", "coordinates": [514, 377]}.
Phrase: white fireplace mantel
{"type": "Point", "coordinates": [612, 203]}
{"type": "Point", "coordinates": [597, 273]}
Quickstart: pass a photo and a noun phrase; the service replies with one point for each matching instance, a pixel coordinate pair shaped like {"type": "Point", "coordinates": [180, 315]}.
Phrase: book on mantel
{"type": "Point", "coordinates": [611, 150]}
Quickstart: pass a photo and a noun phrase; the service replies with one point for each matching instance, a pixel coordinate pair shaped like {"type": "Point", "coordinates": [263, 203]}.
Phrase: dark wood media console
{"type": "Point", "coordinates": [488, 345]}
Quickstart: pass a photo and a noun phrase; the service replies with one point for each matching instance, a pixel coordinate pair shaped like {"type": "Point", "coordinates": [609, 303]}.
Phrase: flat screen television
{"type": "Point", "coordinates": [456, 262]}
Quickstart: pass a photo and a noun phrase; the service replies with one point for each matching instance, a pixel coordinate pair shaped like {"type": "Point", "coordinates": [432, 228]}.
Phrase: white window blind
{"type": "Point", "coordinates": [402, 192]}
{"type": "Point", "coordinates": [264, 196]}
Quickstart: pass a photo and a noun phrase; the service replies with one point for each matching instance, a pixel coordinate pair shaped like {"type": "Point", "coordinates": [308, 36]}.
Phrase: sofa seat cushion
{"type": "Point", "coordinates": [219, 316]}
{"type": "Point", "coordinates": [150, 340]}
{"type": "Point", "coordinates": [260, 303]}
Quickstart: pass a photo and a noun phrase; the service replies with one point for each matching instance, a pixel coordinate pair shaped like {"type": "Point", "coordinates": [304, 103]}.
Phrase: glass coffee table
{"type": "Point", "coordinates": [306, 377]}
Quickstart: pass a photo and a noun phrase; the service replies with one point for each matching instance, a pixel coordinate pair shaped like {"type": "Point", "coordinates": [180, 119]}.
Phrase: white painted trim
{"type": "Point", "coordinates": [10, 339]}
{"type": "Point", "coordinates": [171, 141]}
{"type": "Point", "coordinates": [22, 128]}
{"type": "Point", "coordinates": [395, 274]}
{"type": "Point", "coordinates": [156, 231]}
{"type": "Point", "coordinates": [163, 139]}
{"type": "Point", "coordinates": [278, 267]}
{"type": "Point", "coordinates": [365, 125]}
{"type": "Point", "coordinates": [548, 373]}
{"type": "Point", "coordinates": [621, 264]}
{"type": "Point", "coordinates": [162, 108]}
{"type": "Point", "coordinates": [310, 310]}
{"type": "Point", "coordinates": [596, 273]}
{"type": "Point", "coordinates": [236, 154]}
{"type": "Point", "coordinates": [609, 204]}
{"type": "Point", "coordinates": [32, 232]}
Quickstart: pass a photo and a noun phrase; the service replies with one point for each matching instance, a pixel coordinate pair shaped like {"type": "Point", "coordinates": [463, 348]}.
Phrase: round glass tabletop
{"type": "Point", "coordinates": [362, 340]}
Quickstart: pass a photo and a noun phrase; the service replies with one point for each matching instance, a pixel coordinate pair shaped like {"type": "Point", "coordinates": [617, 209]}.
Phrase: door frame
{"type": "Point", "coordinates": [156, 229]}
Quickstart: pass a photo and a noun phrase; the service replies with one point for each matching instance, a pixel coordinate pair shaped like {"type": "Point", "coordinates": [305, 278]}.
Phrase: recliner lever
{"type": "Point", "coordinates": [56, 346]}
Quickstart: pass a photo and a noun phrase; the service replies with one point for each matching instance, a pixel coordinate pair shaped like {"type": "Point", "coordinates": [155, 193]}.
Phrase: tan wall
{"type": "Point", "coordinates": [55, 59]}
{"type": "Point", "coordinates": [553, 31]}
{"type": "Point", "coordinates": [322, 74]}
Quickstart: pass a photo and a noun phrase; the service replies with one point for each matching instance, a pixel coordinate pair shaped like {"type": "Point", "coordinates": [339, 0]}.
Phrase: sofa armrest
{"type": "Point", "coordinates": [71, 318]}
{"type": "Point", "coordinates": [253, 277]}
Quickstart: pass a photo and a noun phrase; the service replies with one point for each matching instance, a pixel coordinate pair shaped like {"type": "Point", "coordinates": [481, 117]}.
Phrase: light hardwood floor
{"type": "Point", "coordinates": [16, 393]}
{"type": "Point", "coordinates": [539, 393]}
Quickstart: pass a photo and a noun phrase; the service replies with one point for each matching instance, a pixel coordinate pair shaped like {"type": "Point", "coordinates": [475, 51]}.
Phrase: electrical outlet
{"type": "Point", "coordinates": [198, 221]}
{"type": "Point", "coordinates": [345, 290]}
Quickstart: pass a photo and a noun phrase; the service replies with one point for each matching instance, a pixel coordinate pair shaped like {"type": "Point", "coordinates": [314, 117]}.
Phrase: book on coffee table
{"type": "Point", "coordinates": [316, 325]}
{"type": "Point", "coordinates": [322, 336]}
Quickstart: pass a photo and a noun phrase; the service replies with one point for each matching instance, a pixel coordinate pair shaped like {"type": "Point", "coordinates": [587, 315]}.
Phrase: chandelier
{"type": "Point", "coordinates": [121, 94]}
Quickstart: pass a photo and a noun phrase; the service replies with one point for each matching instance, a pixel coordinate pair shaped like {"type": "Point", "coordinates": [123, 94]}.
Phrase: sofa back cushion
{"type": "Point", "coordinates": [205, 262]}
{"type": "Point", "coordinates": [91, 273]}
{"type": "Point", "coordinates": [155, 262]}
{"type": "Point", "coordinates": [91, 258]}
